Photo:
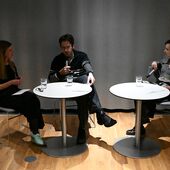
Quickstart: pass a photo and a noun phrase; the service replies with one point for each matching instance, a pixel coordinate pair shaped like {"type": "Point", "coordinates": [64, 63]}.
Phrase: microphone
{"type": "Point", "coordinates": [150, 73]}
{"type": "Point", "coordinates": [159, 66]}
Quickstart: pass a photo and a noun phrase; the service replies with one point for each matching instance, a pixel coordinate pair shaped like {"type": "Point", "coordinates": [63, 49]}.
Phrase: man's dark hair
{"type": "Point", "coordinates": [66, 37]}
{"type": "Point", "coordinates": [167, 42]}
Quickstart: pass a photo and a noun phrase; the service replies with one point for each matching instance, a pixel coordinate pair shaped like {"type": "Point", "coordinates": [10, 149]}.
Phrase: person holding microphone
{"type": "Point", "coordinates": [159, 74]}
{"type": "Point", "coordinates": [77, 63]}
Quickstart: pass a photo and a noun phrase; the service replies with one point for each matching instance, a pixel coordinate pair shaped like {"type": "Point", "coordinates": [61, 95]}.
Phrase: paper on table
{"type": "Point", "coordinates": [21, 91]}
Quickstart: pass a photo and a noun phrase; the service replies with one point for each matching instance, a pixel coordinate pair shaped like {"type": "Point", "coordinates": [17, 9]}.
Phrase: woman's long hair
{"type": "Point", "coordinates": [4, 45]}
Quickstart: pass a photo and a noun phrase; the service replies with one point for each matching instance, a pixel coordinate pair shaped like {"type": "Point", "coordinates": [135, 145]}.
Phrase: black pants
{"type": "Point", "coordinates": [149, 108]}
{"type": "Point", "coordinates": [89, 102]}
{"type": "Point", "coordinates": [82, 104]}
{"type": "Point", "coordinates": [93, 102]}
{"type": "Point", "coordinates": [27, 104]}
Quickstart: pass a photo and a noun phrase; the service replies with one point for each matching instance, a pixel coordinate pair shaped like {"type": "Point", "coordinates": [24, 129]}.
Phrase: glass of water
{"type": "Point", "coordinates": [43, 82]}
{"type": "Point", "coordinates": [70, 79]}
{"type": "Point", "coordinates": [139, 80]}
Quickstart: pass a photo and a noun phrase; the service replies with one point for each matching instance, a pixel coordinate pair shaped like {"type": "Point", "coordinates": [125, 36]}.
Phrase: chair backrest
{"type": "Point", "coordinates": [165, 103]}
{"type": "Point", "coordinates": [163, 107]}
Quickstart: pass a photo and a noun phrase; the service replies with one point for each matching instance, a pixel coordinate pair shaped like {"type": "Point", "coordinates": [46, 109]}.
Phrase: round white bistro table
{"type": "Point", "coordinates": [63, 145]}
{"type": "Point", "coordinates": [138, 146]}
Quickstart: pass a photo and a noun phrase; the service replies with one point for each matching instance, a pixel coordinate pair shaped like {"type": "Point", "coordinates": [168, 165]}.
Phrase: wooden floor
{"type": "Point", "coordinates": [17, 154]}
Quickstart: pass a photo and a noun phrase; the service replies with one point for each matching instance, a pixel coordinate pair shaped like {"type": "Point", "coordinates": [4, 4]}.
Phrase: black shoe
{"type": "Point", "coordinates": [151, 115]}
{"type": "Point", "coordinates": [99, 119]}
{"type": "Point", "coordinates": [132, 131]}
{"type": "Point", "coordinates": [106, 120]}
{"type": "Point", "coordinates": [81, 137]}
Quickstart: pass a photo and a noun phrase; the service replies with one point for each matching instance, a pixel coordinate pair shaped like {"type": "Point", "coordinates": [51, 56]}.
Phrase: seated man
{"type": "Point", "coordinates": [160, 75]}
{"type": "Point", "coordinates": [71, 61]}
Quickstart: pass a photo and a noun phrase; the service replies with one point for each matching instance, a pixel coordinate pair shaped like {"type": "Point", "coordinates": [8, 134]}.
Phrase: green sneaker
{"type": "Point", "coordinates": [37, 139]}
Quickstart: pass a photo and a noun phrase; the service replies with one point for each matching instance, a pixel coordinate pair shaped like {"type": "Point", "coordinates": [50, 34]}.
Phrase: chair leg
{"type": "Point", "coordinates": [8, 127]}
{"type": "Point", "coordinates": [23, 125]}
{"type": "Point", "coordinates": [91, 119]}
{"type": "Point", "coordinates": [9, 111]}
{"type": "Point", "coordinates": [19, 123]}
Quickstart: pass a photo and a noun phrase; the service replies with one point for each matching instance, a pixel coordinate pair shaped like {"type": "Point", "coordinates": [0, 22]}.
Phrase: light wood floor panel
{"type": "Point", "coordinates": [100, 154]}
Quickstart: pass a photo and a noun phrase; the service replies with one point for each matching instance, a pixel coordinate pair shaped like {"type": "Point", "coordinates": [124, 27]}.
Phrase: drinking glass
{"type": "Point", "coordinates": [43, 82]}
{"type": "Point", "coordinates": [139, 80]}
{"type": "Point", "coordinates": [69, 79]}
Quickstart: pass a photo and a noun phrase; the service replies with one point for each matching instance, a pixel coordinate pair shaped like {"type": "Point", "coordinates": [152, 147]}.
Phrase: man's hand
{"type": "Point", "coordinates": [65, 70]}
{"type": "Point", "coordinates": [90, 79]}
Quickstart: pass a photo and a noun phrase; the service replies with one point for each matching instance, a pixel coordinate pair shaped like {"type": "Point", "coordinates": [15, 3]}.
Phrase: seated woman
{"type": "Point", "coordinates": [27, 103]}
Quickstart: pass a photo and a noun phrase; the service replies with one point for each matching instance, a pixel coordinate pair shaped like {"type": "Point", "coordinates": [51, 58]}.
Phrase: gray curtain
{"type": "Point", "coordinates": [121, 37]}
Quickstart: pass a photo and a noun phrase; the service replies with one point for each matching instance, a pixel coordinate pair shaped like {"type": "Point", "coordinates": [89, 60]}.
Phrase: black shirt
{"type": "Point", "coordinates": [10, 75]}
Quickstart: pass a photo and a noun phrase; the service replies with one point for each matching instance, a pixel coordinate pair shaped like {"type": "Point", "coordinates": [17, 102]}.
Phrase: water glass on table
{"type": "Point", "coordinates": [43, 82]}
{"type": "Point", "coordinates": [69, 79]}
{"type": "Point", "coordinates": [138, 81]}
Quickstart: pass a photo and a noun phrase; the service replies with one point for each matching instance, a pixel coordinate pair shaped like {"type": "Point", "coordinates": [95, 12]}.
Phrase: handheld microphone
{"type": "Point", "coordinates": [159, 66]}
{"type": "Point", "coordinates": [150, 73]}
{"type": "Point", "coordinates": [66, 62]}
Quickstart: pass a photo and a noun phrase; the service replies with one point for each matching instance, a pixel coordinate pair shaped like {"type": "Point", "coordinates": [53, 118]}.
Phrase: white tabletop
{"type": "Point", "coordinates": [63, 90]}
{"type": "Point", "coordinates": [143, 92]}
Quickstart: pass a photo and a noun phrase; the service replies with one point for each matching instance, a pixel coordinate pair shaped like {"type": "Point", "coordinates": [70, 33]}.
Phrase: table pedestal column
{"type": "Point", "coordinates": [63, 145]}
{"type": "Point", "coordinates": [63, 115]}
{"type": "Point", "coordinates": [137, 147]}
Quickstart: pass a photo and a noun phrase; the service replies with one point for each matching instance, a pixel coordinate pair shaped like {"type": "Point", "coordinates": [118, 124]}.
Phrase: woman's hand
{"type": "Point", "coordinates": [15, 82]}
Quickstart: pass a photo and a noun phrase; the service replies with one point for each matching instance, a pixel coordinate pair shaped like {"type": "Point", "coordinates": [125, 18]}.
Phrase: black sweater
{"type": "Point", "coordinates": [80, 64]}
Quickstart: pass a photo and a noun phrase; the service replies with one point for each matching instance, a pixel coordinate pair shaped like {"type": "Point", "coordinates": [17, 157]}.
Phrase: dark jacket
{"type": "Point", "coordinates": [79, 65]}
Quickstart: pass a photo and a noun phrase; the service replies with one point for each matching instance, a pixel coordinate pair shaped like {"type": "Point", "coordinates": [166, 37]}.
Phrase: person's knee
{"type": "Point", "coordinates": [32, 101]}
{"type": "Point", "coordinates": [81, 79]}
